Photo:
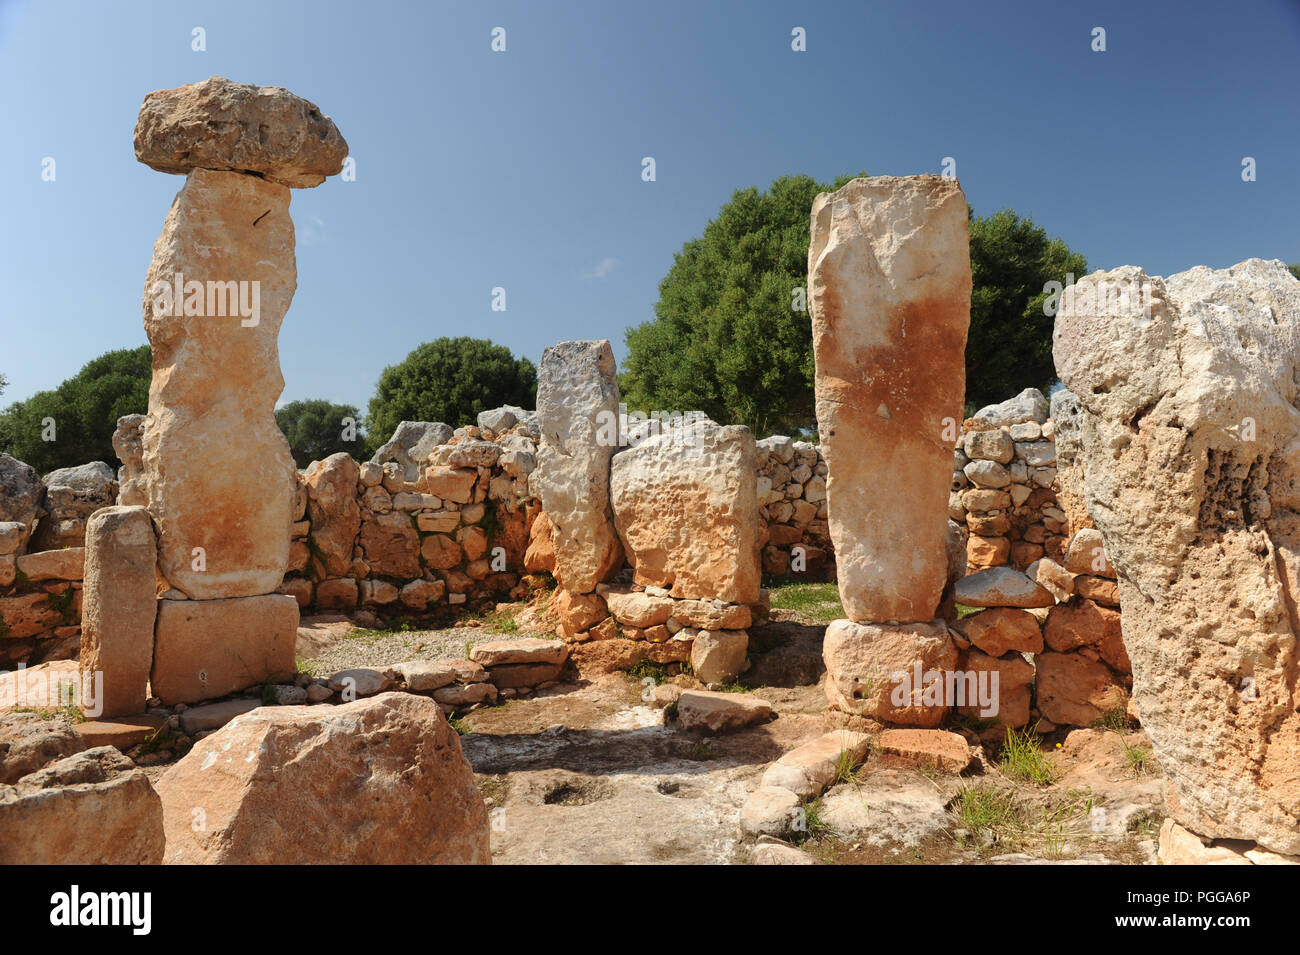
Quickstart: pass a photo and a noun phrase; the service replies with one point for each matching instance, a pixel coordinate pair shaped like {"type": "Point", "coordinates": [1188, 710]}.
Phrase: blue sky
{"type": "Point", "coordinates": [522, 169]}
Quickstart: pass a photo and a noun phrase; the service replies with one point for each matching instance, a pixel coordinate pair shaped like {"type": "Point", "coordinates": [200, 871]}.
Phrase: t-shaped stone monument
{"type": "Point", "coordinates": [217, 470]}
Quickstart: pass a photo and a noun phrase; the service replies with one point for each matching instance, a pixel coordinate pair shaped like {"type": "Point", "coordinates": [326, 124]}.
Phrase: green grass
{"type": "Point", "coordinates": [1022, 758]}
{"type": "Point", "coordinates": [506, 624]}
{"type": "Point", "coordinates": [815, 824]}
{"type": "Point", "coordinates": [819, 602]}
{"type": "Point", "coordinates": [964, 611]}
{"type": "Point", "coordinates": [648, 668]}
{"type": "Point", "coordinates": [1137, 757]}
{"type": "Point", "coordinates": [999, 822]}
{"type": "Point", "coordinates": [459, 725]}
{"type": "Point", "coordinates": [1116, 720]}
{"type": "Point", "coordinates": [985, 810]}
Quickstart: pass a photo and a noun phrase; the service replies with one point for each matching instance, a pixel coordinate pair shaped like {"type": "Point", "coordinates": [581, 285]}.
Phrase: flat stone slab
{"type": "Point", "coordinates": [219, 124]}
{"type": "Point", "coordinates": [526, 650]}
{"type": "Point", "coordinates": [423, 676]}
{"type": "Point", "coordinates": [1001, 587]}
{"type": "Point", "coordinates": [938, 749]}
{"type": "Point", "coordinates": [809, 769]}
{"type": "Point", "coordinates": [212, 716]}
{"type": "Point", "coordinates": [122, 731]}
{"type": "Point", "coordinates": [719, 712]}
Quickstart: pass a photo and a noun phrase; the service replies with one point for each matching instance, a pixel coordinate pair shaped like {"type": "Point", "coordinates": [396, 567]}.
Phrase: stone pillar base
{"type": "Point", "coordinates": [204, 649]}
{"type": "Point", "coordinates": [864, 662]}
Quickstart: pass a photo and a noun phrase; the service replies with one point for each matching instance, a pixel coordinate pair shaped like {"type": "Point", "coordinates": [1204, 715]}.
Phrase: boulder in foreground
{"type": "Point", "coordinates": [378, 781]}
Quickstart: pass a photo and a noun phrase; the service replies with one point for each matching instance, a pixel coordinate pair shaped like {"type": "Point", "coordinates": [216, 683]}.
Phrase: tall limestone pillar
{"type": "Point", "coordinates": [577, 402]}
{"type": "Point", "coordinates": [889, 296]}
{"type": "Point", "coordinates": [217, 470]}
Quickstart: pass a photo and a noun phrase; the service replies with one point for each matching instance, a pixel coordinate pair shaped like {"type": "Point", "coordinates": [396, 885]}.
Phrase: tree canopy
{"type": "Point", "coordinates": [1009, 346]}
{"type": "Point", "coordinates": [1295, 269]}
{"type": "Point", "coordinates": [74, 423]}
{"type": "Point", "coordinates": [449, 380]}
{"type": "Point", "coordinates": [728, 339]}
{"type": "Point", "coordinates": [317, 428]}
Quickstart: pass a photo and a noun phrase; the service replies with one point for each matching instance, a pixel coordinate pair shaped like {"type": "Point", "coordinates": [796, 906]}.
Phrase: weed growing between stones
{"type": "Point", "coordinates": [1022, 758]}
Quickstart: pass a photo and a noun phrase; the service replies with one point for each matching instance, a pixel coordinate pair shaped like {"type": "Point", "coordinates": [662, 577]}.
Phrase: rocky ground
{"type": "Point", "coordinates": [601, 770]}
{"type": "Point", "coordinates": [594, 772]}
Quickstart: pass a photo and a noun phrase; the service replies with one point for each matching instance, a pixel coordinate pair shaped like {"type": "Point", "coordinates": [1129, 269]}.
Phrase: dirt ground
{"type": "Point", "coordinates": [593, 773]}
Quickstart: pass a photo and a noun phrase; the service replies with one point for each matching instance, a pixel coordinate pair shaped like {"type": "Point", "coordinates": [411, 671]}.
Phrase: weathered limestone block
{"type": "Point", "coordinates": [204, 649]}
{"type": "Point", "coordinates": [218, 468]}
{"type": "Point", "coordinates": [93, 808]}
{"type": "Point", "coordinates": [378, 781]}
{"type": "Point", "coordinates": [577, 399]}
{"type": "Point", "coordinates": [334, 512]}
{"type": "Point", "coordinates": [21, 492]}
{"type": "Point", "coordinates": [686, 510]}
{"type": "Point", "coordinates": [889, 295]}
{"type": "Point", "coordinates": [71, 496]}
{"type": "Point", "coordinates": [717, 656]}
{"type": "Point", "coordinates": [119, 605]}
{"type": "Point", "coordinates": [870, 669]}
{"type": "Point", "coordinates": [128, 445]}
{"type": "Point", "coordinates": [218, 124]}
{"type": "Point", "coordinates": [391, 546]}
{"type": "Point", "coordinates": [411, 445]}
{"type": "Point", "coordinates": [1188, 389]}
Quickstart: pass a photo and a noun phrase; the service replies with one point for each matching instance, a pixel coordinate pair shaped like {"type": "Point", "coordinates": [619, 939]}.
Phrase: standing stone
{"type": "Point", "coordinates": [686, 508]}
{"type": "Point", "coordinates": [577, 408]}
{"type": "Point", "coordinates": [218, 468]}
{"type": "Point", "coordinates": [889, 295]}
{"type": "Point", "coordinates": [119, 600]}
{"type": "Point", "coordinates": [128, 445]}
{"type": "Point", "coordinates": [1069, 465]}
{"type": "Point", "coordinates": [1188, 389]}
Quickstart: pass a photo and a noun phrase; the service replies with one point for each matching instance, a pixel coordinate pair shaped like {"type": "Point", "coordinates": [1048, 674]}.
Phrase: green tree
{"type": "Point", "coordinates": [82, 413]}
{"type": "Point", "coordinates": [726, 340]}
{"type": "Point", "coordinates": [1295, 269]}
{"type": "Point", "coordinates": [1009, 347]}
{"type": "Point", "coordinates": [317, 428]}
{"type": "Point", "coordinates": [449, 380]}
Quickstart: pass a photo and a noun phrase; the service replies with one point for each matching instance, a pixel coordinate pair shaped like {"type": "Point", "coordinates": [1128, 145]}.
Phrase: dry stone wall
{"type": "Point", "coordinates": [1005, 483]}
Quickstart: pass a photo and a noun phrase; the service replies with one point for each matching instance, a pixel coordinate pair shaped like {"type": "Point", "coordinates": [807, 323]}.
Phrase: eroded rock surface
{"type": "Point", "coordinates": [1188, 389]}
